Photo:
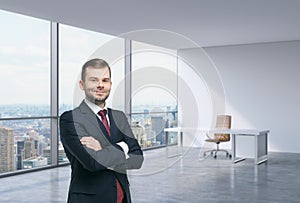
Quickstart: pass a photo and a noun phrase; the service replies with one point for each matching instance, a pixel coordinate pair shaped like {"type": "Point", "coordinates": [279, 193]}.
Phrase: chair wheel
{"type": "Point", "coordinates": [215, 156]}
{"type": "Point", "coordinates": [230, 156]}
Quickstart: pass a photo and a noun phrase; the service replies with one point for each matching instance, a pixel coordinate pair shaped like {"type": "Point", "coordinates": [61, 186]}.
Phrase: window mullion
{"type": "Point", "coordinates": [54, 93]}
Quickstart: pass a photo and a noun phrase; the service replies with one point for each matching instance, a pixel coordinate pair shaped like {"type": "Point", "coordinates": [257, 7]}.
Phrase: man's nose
{"type": "Point", "coordinates": [100, 84]}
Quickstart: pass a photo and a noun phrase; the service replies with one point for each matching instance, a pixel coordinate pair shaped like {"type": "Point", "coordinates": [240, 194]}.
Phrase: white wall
{"type": "Point", "coordinates": [194, 104]}
{"type": "Point", "coordinates": [262, 89]}
{"type": "Point", "coordinates": [200, 95]}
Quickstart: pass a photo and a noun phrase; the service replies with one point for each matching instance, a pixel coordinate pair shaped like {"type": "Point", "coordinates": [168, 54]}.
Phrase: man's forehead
{"type": "Point", "coordinates": [97, 71]}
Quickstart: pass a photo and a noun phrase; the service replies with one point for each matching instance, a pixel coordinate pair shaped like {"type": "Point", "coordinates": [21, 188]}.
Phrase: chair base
{"type": "Point", "coordinates": [214, 152]}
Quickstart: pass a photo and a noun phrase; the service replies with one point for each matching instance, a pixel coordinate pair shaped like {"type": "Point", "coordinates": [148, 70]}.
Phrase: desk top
{"type": "Point", "coordinates": [215, 130]}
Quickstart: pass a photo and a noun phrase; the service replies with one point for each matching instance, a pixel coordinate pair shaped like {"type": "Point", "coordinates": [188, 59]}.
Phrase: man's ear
{"type": "Point", "coordinates": [81, 84]}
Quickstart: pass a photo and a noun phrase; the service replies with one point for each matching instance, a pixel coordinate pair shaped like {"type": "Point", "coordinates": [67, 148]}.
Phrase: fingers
{"type": "Point", "coordinates": [87, 139]}
{"type": "Point", "coordinates": [91, 143]}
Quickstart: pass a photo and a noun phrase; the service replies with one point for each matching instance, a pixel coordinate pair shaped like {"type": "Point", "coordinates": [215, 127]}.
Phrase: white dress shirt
{"type": "Point", "coordinates": [95, 108]}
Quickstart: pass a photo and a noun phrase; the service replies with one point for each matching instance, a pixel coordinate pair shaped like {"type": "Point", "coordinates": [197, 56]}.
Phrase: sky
{"type": "Point", "coordinates": [24, 59]}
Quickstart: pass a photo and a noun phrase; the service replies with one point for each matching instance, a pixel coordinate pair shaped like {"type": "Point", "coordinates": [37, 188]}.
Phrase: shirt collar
{"type": "Point", "coordinates": [95, 108]}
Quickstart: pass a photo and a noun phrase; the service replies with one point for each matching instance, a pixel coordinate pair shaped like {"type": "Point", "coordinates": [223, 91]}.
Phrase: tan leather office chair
{"type": "Point", "coordinates": [223, 122]}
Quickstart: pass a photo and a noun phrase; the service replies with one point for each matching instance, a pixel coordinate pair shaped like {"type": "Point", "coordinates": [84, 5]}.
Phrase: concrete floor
{"type": "Point", "coordinates": [179, 179]}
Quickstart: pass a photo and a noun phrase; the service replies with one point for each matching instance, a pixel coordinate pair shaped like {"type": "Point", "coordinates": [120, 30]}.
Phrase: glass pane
{"type": "Point", "coordinates": [154, 93]}
{"type": "Point", "coordinates": [148, 128]}
{"type": "Point", "coordinates": [24, 66]}
{"type": "Point", "coordinates": [24, 144]}
{"type": "Point", "coordinates": [76, 47]}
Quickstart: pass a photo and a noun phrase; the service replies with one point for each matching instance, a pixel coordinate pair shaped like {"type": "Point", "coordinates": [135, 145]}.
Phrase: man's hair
{"type": "Point", "coordinates": [95, 63]}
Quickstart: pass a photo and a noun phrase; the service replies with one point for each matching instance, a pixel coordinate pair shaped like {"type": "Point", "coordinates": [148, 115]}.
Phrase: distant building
{"type": "Point", "coordinates": [35, 162]}
{"type": "Point", "coordinates": [29, 150]}
{"type": "Point", "coordinates": [7, 159]}
{"type": "Point", "coordinates": [139, 133]}
{"type": "Point", "coordinates": [47, 154]}
{"type": "Point", "coordinates": [26, 149]}
{"type": "Point", "coordinates": [149, 134]}
{"type": "Point", "coordinates": [61, 154]}
{"type": "Point", "coordinates": [20, 147]}
{"type": "Point", "coordinates": [146, 114]}
{"type": "Point", "coordinates": [158, 125]}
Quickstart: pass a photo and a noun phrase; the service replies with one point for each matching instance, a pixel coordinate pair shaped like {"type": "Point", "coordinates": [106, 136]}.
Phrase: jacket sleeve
{"type": "Point", "coordinates": [135, 153]}
{"type": "Point", "coordinates": [70, 134]}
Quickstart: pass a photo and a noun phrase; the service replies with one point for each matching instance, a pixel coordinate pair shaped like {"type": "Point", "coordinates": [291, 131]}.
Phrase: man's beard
{"type": "Point", "coordinates": [96, 100]}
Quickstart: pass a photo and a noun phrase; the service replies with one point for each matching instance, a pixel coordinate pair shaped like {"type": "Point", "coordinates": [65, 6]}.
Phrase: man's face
{"type": "Point", "coordinates": [97, 84]}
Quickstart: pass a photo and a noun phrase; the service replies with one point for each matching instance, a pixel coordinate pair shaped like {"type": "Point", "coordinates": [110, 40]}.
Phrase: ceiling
{"type": "Point", "coordinates": [206, 22]}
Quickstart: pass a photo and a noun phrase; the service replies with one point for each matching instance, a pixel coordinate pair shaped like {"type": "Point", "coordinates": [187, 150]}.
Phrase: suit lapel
{"type": "Point", "coordinates": [92, 118]}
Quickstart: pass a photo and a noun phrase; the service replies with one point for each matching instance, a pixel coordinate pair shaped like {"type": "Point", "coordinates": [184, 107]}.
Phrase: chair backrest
{"type": "Point", "coordinates": [223, 122]}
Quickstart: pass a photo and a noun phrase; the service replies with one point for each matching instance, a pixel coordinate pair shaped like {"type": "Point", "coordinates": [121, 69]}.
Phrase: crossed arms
{"type": "Point", "coordinates": [95, 154]}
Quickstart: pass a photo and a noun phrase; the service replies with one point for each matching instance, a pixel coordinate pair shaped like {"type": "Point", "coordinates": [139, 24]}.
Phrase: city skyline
{"type": "Point", "coordinates": [28, 141]}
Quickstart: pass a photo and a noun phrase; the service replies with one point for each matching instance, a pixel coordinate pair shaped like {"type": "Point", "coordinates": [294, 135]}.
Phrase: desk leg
{"type": "Point", "coordinates": [167, 138]}
{"type": "Point", "coordinates": [256, 148]}
{"type": "Point", "coordinates": [261, 148]}
{"type": "Point", "coordinates": [181, 141]}
{"type": "Point", "coordinates": [181, 146]}
{"type": "Point", "coordinates": [233, 148]}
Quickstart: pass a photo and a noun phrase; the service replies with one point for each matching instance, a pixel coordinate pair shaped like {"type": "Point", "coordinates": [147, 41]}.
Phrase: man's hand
{"type": "Point", "coordinates": [91, 143]}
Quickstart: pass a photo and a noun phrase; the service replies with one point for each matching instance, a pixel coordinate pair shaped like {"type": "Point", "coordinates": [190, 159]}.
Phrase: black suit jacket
{"type": "Point", "coordinates": [94, 173]}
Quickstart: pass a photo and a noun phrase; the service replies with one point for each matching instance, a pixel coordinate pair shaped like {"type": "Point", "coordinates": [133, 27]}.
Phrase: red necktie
{"type": "Point", "coordinates": [102, 114]}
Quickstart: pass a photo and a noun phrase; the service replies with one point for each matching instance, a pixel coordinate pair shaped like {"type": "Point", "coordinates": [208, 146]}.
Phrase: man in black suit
{"type": "Point", "coordinates": [98, 142]}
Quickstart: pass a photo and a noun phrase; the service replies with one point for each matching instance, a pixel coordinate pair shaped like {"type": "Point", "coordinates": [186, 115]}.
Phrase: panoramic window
{"type": "Point", "coordinates": [25, 89]}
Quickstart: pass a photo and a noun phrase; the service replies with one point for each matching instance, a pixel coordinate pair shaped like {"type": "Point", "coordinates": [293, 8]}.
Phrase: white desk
{"type": "Point", "coordinates": [260, 140]}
